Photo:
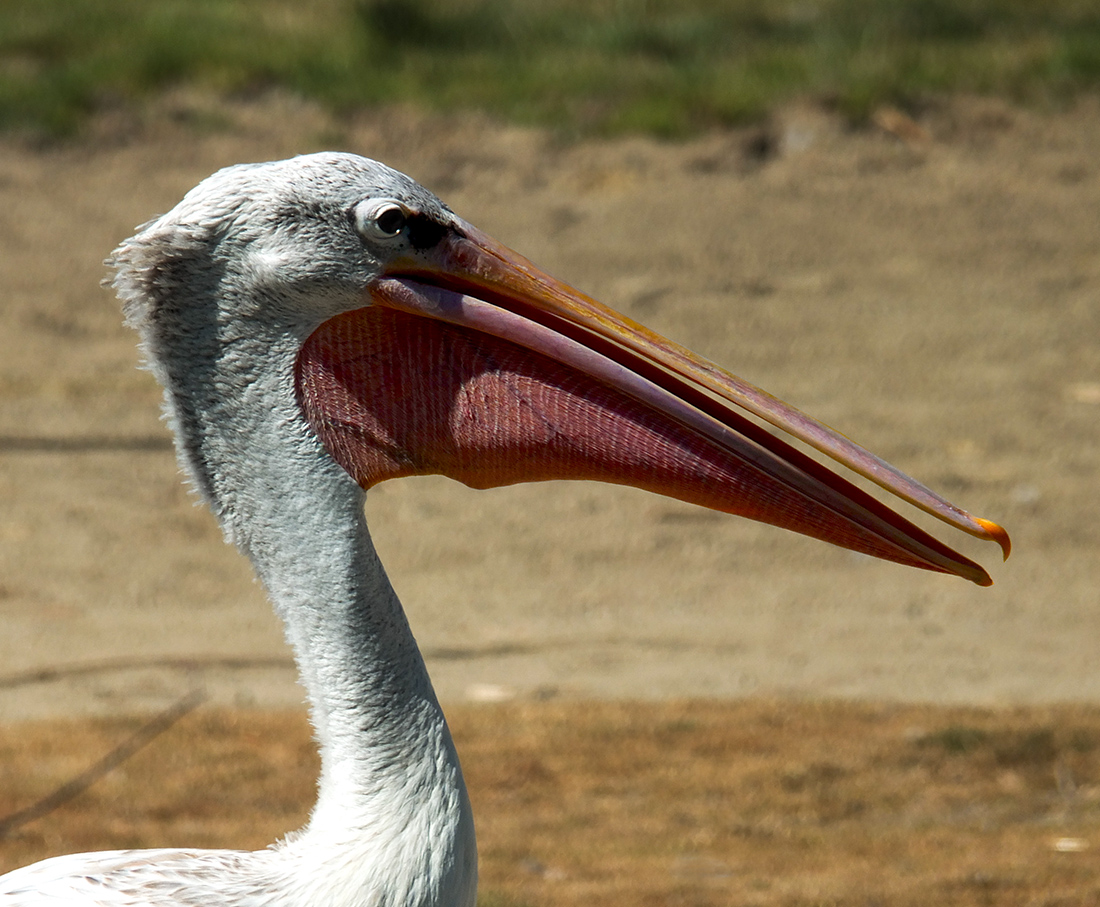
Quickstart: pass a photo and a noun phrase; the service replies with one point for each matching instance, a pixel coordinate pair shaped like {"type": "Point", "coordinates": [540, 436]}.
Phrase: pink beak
{"type": "Point", "coordinates": [470, 362]}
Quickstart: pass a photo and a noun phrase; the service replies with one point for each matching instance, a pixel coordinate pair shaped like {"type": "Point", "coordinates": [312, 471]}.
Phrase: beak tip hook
{"type": "Point", "coordinates": [997, 534]}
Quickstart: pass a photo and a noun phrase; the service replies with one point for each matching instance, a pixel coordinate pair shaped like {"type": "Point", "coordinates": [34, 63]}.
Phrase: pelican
{"type": "Point", "coordinates": [325, 323]}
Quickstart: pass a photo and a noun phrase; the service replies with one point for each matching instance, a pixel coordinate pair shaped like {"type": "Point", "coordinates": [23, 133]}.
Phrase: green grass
{"type": "Point", "coordinates": [583, 66]}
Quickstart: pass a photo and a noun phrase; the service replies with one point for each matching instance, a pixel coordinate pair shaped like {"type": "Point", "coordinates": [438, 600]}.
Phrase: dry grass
{"type": "Point", "coordinates": [668, 803]}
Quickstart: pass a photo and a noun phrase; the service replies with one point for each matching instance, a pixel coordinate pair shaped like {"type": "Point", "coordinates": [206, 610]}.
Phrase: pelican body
{"type": "Point", "coordinates": [325, 323]}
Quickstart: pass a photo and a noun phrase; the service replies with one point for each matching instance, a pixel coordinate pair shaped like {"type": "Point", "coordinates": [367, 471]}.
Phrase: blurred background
{"type": "Point", "coordinates": [883, 212]}
{"type": "Point", "coordinates": [582, 68]}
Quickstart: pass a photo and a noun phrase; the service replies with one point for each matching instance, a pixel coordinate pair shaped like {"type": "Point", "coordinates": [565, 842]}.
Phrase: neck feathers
{"type": "Point", "coordinates": [392, 802]}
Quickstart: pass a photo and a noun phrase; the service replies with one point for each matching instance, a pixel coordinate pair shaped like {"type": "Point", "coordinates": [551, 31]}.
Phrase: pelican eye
{"type": "Point", "coordinates": [390, 220]}
{"type": "Point", "coordinates": [381, 219]}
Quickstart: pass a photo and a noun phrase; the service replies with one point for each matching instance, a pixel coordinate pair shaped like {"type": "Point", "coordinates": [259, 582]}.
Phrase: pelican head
{"type": "Point", "coordinates": [421, 345]}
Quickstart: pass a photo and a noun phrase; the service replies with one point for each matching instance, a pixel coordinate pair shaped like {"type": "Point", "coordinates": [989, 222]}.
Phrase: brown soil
{"type": "Point", "coordinates": [701, 803]}
{"type": "Point", "coordinates": [933, 292]}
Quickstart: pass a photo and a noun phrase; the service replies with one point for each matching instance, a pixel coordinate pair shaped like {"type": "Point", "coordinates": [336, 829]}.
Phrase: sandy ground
{"type": "Point", "coordinates": [936, 297]}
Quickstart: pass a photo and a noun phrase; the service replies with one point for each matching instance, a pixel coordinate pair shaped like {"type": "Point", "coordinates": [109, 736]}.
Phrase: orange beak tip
{"type": "Point", "coordinates": [997, 534]}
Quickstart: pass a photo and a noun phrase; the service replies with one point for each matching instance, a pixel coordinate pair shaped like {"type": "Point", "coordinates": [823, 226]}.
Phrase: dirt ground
{"type": "Point", "coordinates": [933, 291]}
{"type": "Point", "coordinates": [750, 802]}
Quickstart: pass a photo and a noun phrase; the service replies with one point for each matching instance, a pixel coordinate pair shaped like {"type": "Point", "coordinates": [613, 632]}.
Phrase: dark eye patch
{"type": "Point", "coordinates": [423, 232]}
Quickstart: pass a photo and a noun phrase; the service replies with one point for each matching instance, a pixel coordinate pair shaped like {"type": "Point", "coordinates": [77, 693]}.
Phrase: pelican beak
{"type": "Point", "coordinates": [624, 405]}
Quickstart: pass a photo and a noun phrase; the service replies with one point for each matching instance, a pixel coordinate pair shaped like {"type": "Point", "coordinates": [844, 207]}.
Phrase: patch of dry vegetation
{"type": "Point", "coordinates": [748, 802]}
